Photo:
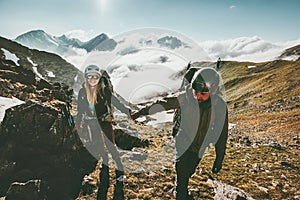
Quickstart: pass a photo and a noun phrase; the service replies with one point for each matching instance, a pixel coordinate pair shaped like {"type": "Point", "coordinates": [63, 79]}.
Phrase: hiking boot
{"type": "Point", "coordinates": [104, 183]}
{"type": "Point", "coordinates": [190, 197]}
{"type": "Point", "coordinates": [119, 186]}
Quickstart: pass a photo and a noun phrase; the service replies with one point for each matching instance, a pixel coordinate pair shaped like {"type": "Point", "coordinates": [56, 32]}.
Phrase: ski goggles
{"type": "Point", "coordinates": [92, 77]}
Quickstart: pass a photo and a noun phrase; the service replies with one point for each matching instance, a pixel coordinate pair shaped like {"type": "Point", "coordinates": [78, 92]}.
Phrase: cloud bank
{"type": "Point", "coordinates": [252, 49]}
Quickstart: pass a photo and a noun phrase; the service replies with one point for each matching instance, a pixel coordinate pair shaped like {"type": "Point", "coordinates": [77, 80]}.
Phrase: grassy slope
{"type": "Point", "coordinates": [264, 103]}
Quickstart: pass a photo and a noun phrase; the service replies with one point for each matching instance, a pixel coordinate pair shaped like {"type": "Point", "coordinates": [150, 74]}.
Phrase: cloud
{"type": "Point", "coordinates": [80, 34]}
{"type": "Point", "coordinates": [232, 7]}
{"type": "Point", "coordinates": [246, 49]}
{"type": "Point", "coordinates": [76, 57]}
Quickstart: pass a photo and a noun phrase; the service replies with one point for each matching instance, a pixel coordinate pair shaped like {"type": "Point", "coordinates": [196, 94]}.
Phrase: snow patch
{"type": "Point", "coordinates": [37, 73]}
{"type": "Point", "coordinates": [251, 66]}
{"type": "Point", "coordinates": [6, 103]}
{"type": "Point", "coordinates": [31, 62]}
{"type": "Point", "coordinates": [231, 125]}
{"type": "Point", "coordinates": [10, 56]}
{"type": "Point", "coordinates": [158, 119]}
{"type": "Point", "coordinates": [291, 58]}
{"type": "Point", "coordinates": [50, 74]}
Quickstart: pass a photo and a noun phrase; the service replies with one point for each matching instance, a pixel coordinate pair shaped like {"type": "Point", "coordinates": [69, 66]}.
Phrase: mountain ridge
{"type": "Point", "coordinates": [50, 66]}
{"type": "Point", "coordinates": [41, 40]}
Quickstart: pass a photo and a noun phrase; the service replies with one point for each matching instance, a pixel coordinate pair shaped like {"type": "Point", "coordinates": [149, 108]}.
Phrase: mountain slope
{"type": "Point", "coordinates": [264, 98]}
{"type": "Point", "coordinates": [292, 53]}
{"type": "Point", "coordinates": [48, 66]}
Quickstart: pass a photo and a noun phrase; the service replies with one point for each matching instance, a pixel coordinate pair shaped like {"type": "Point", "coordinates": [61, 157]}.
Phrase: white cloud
{"type": "Point", "coordinates": [81, 34]}
{"type": "Point", "coordinates": [76, 57]}
{"type": "Point", "coordinates": [232, 7]}
{"type": "Point", "coordinates": [246, 49]}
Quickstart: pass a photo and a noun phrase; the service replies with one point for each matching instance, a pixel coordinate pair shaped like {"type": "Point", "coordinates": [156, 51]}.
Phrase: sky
{"type": "Point", "coordinates": [200, 20]}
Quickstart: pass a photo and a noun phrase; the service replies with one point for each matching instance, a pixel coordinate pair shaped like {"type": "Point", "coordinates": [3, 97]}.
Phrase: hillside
{"type": "Point", "coordinates": [263, 147]}
{"type": "Point", "coordinates": [263, 99]}
{"type": "Point", "coordinates": [48, 66]}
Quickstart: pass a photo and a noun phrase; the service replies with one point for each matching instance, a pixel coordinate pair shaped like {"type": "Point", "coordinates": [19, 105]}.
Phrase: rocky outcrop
{"type": "Point", "coordinates": [37, 143]}
{"type": "Point", "coordinates": [41, 156]}
{"type": "Point", "coordinates": [31, 190]}
{"type": "Point", "coordinates": [23, 84]}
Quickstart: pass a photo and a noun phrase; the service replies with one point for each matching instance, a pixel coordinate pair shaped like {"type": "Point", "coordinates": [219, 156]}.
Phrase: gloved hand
{"type": "Point", "coordinates": [132, 115]}
{"type": "Point", "coordinates": [216, 167]}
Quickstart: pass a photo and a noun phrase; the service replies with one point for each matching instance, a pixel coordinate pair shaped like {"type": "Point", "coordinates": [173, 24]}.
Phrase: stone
{"type": "Point", "coordinates": [31, 190]}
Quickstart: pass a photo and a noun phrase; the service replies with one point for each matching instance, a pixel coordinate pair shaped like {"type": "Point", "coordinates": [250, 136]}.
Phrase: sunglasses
{"type": "Point", "coordinates": [92, 77]}
{"type": "Point", "coordinates": [200, 87]}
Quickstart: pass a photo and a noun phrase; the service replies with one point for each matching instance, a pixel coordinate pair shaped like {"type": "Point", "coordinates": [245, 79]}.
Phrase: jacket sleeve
{"type": "Point", "coordinates": [80, 107]}
{"type": "Point", "coordinates": [220, 146]}
{"type": "Point", "coordinates": [119, 105]}
{"type": "Point", "coordinates": [167, 103]}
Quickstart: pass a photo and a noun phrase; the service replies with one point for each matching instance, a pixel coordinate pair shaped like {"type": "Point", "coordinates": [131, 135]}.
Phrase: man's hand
{"type": "Point", "coordinates": [217, 167]}
{"type": "Point", "coordinates": [133, 115]}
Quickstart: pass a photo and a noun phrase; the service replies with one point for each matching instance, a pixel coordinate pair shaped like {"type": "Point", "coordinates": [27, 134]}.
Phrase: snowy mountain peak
{"type": "Point", "coordinates": [39, 39]}
{"type": "Point", "coordinates": [70, 41]}
{"type": "Point", "coordinates": [93, 43]}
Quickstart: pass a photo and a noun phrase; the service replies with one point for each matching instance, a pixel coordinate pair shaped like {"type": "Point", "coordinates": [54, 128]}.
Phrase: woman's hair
{"type": "Point", "coordinates": [91, 94]}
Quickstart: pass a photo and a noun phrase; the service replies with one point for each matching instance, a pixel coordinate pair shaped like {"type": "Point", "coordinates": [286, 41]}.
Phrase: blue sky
{"type": "Point", "coordinates": [200, 20]}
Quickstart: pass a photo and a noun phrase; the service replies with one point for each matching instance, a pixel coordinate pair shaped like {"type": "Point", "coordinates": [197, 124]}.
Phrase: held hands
{"type": "Point", "coordinates": [77, 127]}
{"type": "Point", "coordinates": [108, 118]}
{"type": "Point", "coordinates": [216, 167]}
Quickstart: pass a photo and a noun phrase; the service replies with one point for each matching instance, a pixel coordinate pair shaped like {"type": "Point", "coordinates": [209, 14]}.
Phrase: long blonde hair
{"type": "Point", "coordinates": [91, 94]}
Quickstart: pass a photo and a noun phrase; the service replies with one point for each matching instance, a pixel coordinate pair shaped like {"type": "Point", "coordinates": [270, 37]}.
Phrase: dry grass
{"type": "Point", "coordinates": [264, 103]}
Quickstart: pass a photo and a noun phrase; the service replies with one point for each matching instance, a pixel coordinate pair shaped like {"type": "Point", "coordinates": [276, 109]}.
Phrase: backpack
{"type": "Point", "coordinates": [106, 92]}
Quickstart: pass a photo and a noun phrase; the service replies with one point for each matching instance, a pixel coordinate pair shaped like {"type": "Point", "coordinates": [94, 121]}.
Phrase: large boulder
{"type": "Point", "coordinates": [37, 143]}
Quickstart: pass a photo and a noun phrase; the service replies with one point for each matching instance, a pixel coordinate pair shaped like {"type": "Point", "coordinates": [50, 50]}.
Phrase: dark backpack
{"type": "Point", "coordinates": [106, 92]}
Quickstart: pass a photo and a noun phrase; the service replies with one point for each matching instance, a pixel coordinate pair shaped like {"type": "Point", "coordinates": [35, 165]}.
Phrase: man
{"type": "Point", "coordinates": [201, 119]}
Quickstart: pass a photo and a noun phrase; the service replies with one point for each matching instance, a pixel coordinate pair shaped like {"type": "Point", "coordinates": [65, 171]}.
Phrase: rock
{"type": "Point", "coordinates": [265, 190]}
{"type": "Point", "coordinates": [289, 165]}
{"type": "Point", "coordinates": [88, 185]}
{"type": "Point", "coordinates": [225, 191]}
{"type": "Point", "coordinates": [127, 140]}
{"type": "Point", "coordinates": [44, 147]}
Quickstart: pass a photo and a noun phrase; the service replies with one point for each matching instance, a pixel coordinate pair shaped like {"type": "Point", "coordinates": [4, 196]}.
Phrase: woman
{"type": "Point", "coordinates": [95, 116]}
